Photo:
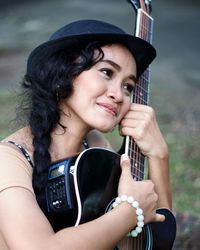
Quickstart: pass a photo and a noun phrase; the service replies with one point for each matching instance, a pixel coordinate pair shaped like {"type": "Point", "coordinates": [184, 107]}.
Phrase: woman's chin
{"type": "Point", "coordinates": [107, 129]}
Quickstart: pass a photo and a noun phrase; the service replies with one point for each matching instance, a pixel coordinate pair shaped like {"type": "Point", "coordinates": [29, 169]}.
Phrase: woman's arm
{"type": "Point", "coordinates": [159, 174]}
{"type": "Point", "coordinates": [24, 226]}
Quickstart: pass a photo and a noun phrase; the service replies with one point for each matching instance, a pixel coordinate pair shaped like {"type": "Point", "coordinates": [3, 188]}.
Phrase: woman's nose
{"type": "Point", "coordinates": [115, 92]}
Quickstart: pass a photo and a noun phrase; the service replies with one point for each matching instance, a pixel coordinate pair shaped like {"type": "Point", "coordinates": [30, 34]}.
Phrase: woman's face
{"type": "Point", "coordinates": [102, 94]}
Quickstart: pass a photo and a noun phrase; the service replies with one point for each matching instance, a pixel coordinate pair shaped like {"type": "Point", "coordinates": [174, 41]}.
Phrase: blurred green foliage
{"type": "Point", "coordinates": [7, 113]}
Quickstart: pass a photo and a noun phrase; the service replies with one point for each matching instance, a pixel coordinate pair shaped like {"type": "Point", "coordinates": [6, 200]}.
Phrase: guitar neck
{"type": "Point", "coordinates": [144, 30]}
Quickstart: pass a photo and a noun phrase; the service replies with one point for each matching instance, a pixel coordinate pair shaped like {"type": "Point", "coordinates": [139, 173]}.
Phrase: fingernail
{"type": "Point", "coordinates": [125, 157]}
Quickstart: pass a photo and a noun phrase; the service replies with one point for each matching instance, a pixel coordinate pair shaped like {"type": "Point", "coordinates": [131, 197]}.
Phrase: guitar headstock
{"type": "Point", "coordinates": [145, 5]}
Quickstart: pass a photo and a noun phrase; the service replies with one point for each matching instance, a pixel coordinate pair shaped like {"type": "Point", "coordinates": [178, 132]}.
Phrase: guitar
{"type": "Point", "coordinates": [155, 235]}
{"type": "Point", "coordinates": [82, 188]}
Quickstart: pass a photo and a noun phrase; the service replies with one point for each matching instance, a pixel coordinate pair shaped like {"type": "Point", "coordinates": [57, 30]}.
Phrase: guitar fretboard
{"type": "Point", "coordinates": [144, 30]}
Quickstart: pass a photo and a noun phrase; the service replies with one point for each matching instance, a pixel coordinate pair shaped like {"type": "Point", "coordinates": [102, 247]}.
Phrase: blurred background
{"type": "Point", "coordinates": [175, 80]}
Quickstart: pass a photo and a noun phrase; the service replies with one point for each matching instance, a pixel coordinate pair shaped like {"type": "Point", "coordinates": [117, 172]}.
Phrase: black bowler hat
{"type": "Point", "coordinates": [84, 31]}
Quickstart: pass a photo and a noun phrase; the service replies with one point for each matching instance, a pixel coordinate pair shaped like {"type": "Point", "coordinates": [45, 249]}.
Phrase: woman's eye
{"type": "Point", "coordinates": [129, 88]}
{"type": "Point", "coordinates": [107, 72]}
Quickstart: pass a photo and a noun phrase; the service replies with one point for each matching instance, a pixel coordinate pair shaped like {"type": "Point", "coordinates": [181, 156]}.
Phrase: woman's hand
{"type": "Point", "coordinates": [142, 191]}
{"type": "Point", "coordinates": [140, 123]}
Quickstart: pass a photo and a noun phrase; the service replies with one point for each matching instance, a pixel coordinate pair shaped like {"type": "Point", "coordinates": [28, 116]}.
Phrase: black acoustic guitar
{"type": "Point", "coordinates": [81, 188]}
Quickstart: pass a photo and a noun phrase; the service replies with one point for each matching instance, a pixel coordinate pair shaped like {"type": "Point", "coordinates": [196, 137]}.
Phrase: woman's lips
{"type": "Point", "coordinates": [109, 108]}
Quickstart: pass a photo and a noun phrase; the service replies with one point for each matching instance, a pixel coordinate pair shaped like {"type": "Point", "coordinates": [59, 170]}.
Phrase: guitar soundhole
{"type": "Point", "coordinates": [141, 242]}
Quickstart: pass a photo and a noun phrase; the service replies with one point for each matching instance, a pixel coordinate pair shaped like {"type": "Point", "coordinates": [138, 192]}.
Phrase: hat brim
{"type": "Point", "coordinates": [142, 51]}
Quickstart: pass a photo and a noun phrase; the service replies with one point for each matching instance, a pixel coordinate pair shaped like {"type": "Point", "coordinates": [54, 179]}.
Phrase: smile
{"type": "Point", "coordinates": [108, 108]}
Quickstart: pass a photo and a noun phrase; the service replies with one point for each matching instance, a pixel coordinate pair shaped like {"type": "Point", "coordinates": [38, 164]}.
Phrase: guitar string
{"type": "Point", "coordinates": [143, 86]}
{"type": "Point", "coordinates": [144, 82]}
{"type": "Point", "coordinates": [141, 92]}
{"type": "Point", "coordinates": [136, 162]}
{"type": "Point", "coordinates": [142, 100]}
{"type": "Point", "coordinates": [136, 156]}
{"type": "Point", "coordinates": [143, 76]}
{"type": "Point", "coordinates": [136, 149]}
{"type": "Point", "coordinates": [144, 34]}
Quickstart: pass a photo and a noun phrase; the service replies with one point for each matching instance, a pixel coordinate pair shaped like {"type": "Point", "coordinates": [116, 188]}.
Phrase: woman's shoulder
{"type": "Point", "coordinates": [97, 139]}
{"type": "Point", "coordinates": [11, 151]}
{"type": "Point", "coordinates": [10, 154]}
{"type": "Point", "coordinates": [15, 170]}
{"type": "Point", "coordinates": [21, 137]}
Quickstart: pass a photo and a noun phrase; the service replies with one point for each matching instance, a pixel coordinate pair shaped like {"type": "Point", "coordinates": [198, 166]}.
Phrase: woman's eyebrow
{"type": "Point", "coordinates": [133, 78]}
{"type": "Point", "coordinates": [118, 67]}
{"type": "Point", "coordinates": [112, 63]}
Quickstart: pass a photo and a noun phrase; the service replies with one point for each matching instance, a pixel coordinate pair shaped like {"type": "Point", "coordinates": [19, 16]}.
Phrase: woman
{"type": "Point", "coordinates": [79, 84]}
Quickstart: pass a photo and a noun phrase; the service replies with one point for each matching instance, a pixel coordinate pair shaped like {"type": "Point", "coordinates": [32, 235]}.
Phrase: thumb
{"type": "Point", "coordinates": [125, 181]}
{"type": "Point", "coordinates": [125, 162]}
{"type": "Point", "coordinates": [159, 217]}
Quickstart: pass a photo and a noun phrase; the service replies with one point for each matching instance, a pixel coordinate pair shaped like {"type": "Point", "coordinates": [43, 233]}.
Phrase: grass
{"type": "Point", "coordinates": [7, 113]}
{"type": "Point", "coordinates": [184, 155]}
{"type": "Point", "coordinates": [185, 173]}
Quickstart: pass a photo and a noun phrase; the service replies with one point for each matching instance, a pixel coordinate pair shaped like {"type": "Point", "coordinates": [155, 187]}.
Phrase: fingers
{"type": "Point", "coordinates": [137, 121]}
{"type": "Point", "coordinates": [141, 107]}
{"type": "Point", "coordinates": [159, 217]}
{"type": "Point", "coordinates": [126, 169]}
{"type": "Point", "coordinates": [126, 179]}
{"type": "Point", "coordinates": [142, 191]}
{"type": "Point", "coordinates": [125, 161]}
{"type": "Point", "coordinates": [140, 111]}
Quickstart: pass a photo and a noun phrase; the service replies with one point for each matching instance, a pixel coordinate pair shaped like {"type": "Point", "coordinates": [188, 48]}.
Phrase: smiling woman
{"type": "Point", "coordinates": [78, 85]}
{"type": "Point", "coordinates": [102, 94]}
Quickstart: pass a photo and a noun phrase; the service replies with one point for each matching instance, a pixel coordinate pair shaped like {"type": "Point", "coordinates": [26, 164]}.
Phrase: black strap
{"type": "Point", "coordinates": [24, 152]}
{"type": "Point", "coordinates": [85, 143]}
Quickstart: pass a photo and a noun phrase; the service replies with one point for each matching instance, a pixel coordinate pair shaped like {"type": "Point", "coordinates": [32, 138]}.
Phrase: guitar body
{"type": "Point", "coordinates": [90, 184]}
{"type": "Point", "coordinates": [93, 180]}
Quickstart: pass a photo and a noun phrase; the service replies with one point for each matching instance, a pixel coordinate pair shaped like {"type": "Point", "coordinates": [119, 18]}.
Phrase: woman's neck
{"type": "Point", "coordinates": [67, 140]}
{"type": "Point", "coordinates": [64, 145]}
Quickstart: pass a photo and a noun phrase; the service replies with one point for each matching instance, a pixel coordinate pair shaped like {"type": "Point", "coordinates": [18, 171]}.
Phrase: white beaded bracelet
{"type": "Point", "coordinates": [139, 213]}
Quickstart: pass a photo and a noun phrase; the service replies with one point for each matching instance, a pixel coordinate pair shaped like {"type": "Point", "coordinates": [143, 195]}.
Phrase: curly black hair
{"type": "Point", "coordinates": [51, 82]}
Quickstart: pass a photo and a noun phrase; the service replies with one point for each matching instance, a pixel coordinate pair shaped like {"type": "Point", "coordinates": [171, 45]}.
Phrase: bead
{"type": "Point", "coordinates": [134, 233]}
{"type": "Point", "coordinates": [135, 204]}
{"type": "Point", "coordinates": [118, 200]}
{"type": "Point", "coordinates": [115, 204]}
{"type": "Point", "coordinates": [139, 211]}
{"type": "Point", "coordinates": [138, 230]}
{"type": "Point", "coordinates": [124, 197]}
{"type": "Point", "coordinates": [130, 199]}
{"type": "Point", "coordinates": [140, 224]}
{"type": "Point", "coordinates": [140, 217]}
